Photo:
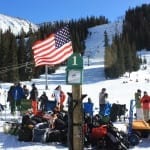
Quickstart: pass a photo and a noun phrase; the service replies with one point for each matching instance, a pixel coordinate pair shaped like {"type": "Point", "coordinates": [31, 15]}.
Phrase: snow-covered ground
{"type": "Point", "coordinates": [118, 91]}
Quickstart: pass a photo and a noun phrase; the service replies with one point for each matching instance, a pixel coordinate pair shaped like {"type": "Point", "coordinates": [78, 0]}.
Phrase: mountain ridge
{"type": "Point", "coordinates": [16, 24]}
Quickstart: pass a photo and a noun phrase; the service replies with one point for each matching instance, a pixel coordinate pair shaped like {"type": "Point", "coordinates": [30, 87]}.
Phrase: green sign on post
{"type": "Point", "coordinates": [74, 69]}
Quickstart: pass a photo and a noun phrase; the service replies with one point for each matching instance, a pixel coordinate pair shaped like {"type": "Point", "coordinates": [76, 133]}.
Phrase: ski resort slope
{"type": "Point", "coordinates": [119, 90]}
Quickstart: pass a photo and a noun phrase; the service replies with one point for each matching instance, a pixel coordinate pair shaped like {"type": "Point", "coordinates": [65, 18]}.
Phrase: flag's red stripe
{"type": "Point", "coordinates": [45, 51]}
{"type": "Point", "coordinates": [53, 53]}
{"type": "Point", "coordinates": [55, 58]}
{"type": "Point", "coordinates": [54, 61]}
{"type": "Point", "coordinates": [45, 47]}
{"type": "Point", "coordinates": [40, 43]}
{"type": "Point", "coordinates": [46, 62]}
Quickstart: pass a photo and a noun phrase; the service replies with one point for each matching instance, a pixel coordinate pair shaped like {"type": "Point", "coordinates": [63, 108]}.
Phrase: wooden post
{"type": "Point", "coordinates": [70, 122]}
{"type": "Point", "coordinates": [72, 116]}
{"type": "Point", "coordinates": [75, 111]}
{"type": "Point", "coordinates": [78, 143]}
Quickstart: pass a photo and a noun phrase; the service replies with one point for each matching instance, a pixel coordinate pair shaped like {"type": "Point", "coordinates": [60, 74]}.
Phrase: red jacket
{"type": "Point", "coordinates": [145, 102]}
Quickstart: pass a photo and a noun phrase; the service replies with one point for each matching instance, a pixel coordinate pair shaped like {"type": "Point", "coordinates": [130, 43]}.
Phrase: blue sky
{"type": "Point", "coordinates": [39, 11]}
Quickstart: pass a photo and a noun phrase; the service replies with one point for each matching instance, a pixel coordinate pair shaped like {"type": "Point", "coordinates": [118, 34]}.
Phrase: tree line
{"type": "Point", "coordinates": [16, 57]}
{"type": "Point", "coordinates": [121, 56]}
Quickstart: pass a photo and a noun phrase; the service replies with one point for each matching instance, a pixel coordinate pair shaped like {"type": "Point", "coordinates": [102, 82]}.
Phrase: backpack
{"type": "Point", "coordinates": [25, 134]}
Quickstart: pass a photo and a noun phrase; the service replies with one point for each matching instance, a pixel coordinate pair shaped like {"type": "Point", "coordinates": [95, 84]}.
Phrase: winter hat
{"type": "Point", "coordinates": [33, 84]}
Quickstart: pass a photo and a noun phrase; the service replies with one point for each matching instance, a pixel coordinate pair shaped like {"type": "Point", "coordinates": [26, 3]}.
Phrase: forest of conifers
{"type": "Point", "coordinates": [16, 58]}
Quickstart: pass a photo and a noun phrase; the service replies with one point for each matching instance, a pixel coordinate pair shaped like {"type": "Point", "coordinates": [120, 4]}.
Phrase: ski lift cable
{"type": "Point", "coordinates": [13, 68]}
{"type": "Point", "coordinates": [6, 70]}
{"type": "Point", "coordinates": [26, 64]}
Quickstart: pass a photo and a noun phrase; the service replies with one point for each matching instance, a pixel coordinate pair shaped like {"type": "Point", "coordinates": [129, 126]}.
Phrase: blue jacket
{"type": "Point", "coordinates": [88, 108]}
{"type": "Point", "coordinates": [17, 93]}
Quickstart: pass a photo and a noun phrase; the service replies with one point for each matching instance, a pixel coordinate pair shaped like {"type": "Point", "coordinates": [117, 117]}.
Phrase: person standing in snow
{"type": "Point", "coordinates": [34, 98]}
{"type": "Point", "coordinates": [145, 102]}
{"type": "Point", "coordinates": [18, 95]}
{"type": "Point", "coordinates": [10, 99]}
{"type": "Point", "coordinates": [139, 111]}
{"type": "Point", "coordinates": [102, 100]}
{"type": "Point", "coordinates": [43, 101]}
{"type": "Point", "coordinates": [88, 107]}
{"type": "Point", "coordinates": [26, 92]}
{"type": "Point", "coordinates": [59, 97]}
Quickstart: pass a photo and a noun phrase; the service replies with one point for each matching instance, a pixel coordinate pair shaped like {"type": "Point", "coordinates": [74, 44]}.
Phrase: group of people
{"type": "Point", "coordinates": [142, 105]}
{"type": "Point", "coordinates": [103, 104]}
{"type": "Point", "coordinates": [17, 93]}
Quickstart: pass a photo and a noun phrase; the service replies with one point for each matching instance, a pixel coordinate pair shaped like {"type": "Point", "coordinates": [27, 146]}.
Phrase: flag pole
{"type": "Point", "coordinates": [46, 72]}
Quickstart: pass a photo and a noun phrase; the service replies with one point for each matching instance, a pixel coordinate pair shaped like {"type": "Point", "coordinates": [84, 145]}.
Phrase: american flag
{"type": "Point", "coordinates": [53, 50]}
